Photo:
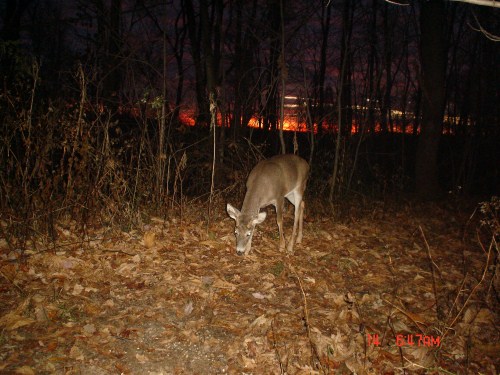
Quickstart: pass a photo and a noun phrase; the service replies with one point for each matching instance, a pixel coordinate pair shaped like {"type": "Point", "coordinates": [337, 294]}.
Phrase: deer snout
{"type": "Point", "coordinates": [242, 248]}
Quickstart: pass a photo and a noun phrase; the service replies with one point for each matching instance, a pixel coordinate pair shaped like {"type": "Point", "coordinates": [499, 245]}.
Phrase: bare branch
{"type": "Point", "coordinates": [486, 3]}
{"type": "Point", "coordinates": [490, 36]}
{"type": "Point", "coordinates": [397, 3]}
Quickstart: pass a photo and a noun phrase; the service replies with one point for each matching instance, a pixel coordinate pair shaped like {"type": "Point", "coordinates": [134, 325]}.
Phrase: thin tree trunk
{"type": "Point", "coordinates": [336, 162]}
{"type": "Point", "coordinates": [161, 154]}
{"type": "Point", "coordinates": [271, 105]}
{"type": "Point", "coordinates": [346, 97]}
{"type": "Point", "coordinates": [371, 68]}
{"type": "Point", "coordinates": [386, 103]}
{"type": "Point", "coordinates": [325, 31]}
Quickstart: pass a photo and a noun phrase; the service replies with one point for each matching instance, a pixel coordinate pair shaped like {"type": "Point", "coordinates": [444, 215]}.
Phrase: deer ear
{"type": "Point", "coordinates": [232, 212]}
{"type": "Point", "coordinates": [260, 218]}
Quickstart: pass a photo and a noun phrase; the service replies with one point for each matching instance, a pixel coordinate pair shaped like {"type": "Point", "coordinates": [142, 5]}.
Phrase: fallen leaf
{"type": "Point", "coordinates": [77, 290]}
{"type": "Point", "coordinates": [89, 329]}
{"type": "Point", "coordinates": [210, 243]}
{"type": "Point", "coordinates": [141, 358]}
{"type": "Point", "coordinates": [76, 353]}
{"type": "Point", "coordinates": [12, 321]}
{"type": "Point", "coordinates": [188, 308]}
{"type": "Point", "coordinates": [221, 284]}
{"type": "Point", "coordinates": [25, 370]}
{"type": "Point", "coordinates": [258, 295]}
{"type": "Point", "coordinates": [149, 239]}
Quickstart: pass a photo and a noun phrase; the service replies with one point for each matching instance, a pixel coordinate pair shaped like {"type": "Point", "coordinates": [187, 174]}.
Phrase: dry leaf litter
{"type": "Point", "coordinates": [172, 297]}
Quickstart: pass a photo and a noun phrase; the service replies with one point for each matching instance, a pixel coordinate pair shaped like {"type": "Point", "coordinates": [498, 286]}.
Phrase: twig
{"type": "Point", "coordinates": [400, 349]}
{"type": "Point", "coordinates": [213, 126]}
{"type": "Point", "coordinates": [467, 223]}
{"type": "Point", "coordinates": [408, 315]}
{"type": "Point", "coordinates": [7, 238]}
{"type": "Point", "coordinates": [121, 338]}
{"type": "Point", "coordinates": [79, 242]}
{"type": "Point", "coordinates": [54, 247]}
{"type": "Point", "coordinates": [473, 290]}
{"type": "Point", "coordinates": [21, 292]}
{"type": "Point", "coordinates": [118, 251]}
{"type": "Point", "coordinates": [314, 350]}
{"type": "Point", "coordinates": [282, 366]}
{"type": "Point", "coordinates": [411, 364]}
{"type": "Point", "coordinates": [439, 312]}
{"type": "Point", "coordinates": [456, 298]}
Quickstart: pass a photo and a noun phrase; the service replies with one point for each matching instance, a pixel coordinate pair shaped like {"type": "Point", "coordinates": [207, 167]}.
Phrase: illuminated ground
{"type": "Point", "coordinates": [174, 298]}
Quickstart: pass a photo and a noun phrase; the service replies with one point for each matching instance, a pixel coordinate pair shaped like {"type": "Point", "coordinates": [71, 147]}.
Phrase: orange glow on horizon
{"type": "Point", "coordinates": [291, 124]}
{"type": "Point", "coordinates": [295, 121]}
{"type": "Point", "coordinates": [187, 119]}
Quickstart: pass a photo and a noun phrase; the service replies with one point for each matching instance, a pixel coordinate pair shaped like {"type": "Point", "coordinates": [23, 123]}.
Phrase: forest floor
{"type": "Point", "coordinates": [388, 289]}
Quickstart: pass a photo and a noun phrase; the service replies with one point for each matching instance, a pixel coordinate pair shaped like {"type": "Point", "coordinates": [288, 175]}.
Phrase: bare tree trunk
{"type": "Point", "coordinates": [371, 68]}
{"type": "Point", "coordinates": [161, 154]}
{"type": "Point", "coordinates": [417, 110]}
{"type": "Point", "coordinates": [238, 62]}
{"type": "Point", "coordinates": [180, 37]}
{"type": "Point", "coordinates": [283, 75]}
{"type": "Point", "coordinates": [344, 92]}
{"type": "Point", "coordinates": [211, 46]}
{"type": "Point", "coordinates": [196, 53]}
{"type": "Point", "coordinates": [345, 121]}
{"type": "Point", "coordinates": [11, 29]}
{"type": "Point", "coordinates": [336, 162]}
{"type": "Point", "coordinates": [271, 105]}
{"type": "Point", "coordinates": [434, 54]}
{"type": "Point", "coordinates": [111, 64]}
{"type": "Point", "coordinates": [325, 31]}
{"type": "Point", "coordinates": [245, 45]}
{"type": "Point", "coordinates": [386, 102]}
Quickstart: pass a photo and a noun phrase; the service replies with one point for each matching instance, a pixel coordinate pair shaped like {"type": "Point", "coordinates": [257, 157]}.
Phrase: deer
{"type": "Point", "coordinates": [269, 183]}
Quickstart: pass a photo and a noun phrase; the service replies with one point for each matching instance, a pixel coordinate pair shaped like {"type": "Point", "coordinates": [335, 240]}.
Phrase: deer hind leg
{"type": "Point", "coordinates": [301, 221]}
{"type": "Point", "coordinates": [296, 200]}
{"type": "Point", "coordinates": [279, 218]}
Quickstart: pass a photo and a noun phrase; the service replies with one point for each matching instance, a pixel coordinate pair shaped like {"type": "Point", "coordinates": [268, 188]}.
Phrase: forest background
{"type": "Point", "coordinates": [110, 106]}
